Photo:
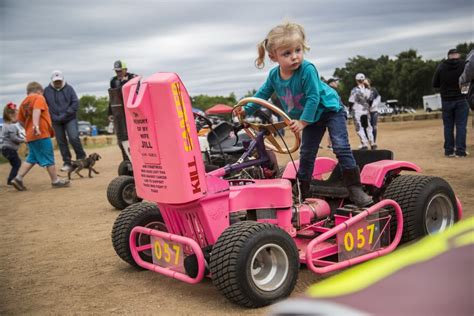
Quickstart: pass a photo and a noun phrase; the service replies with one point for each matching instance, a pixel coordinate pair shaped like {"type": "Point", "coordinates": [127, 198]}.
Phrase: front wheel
{"type": "Point", "coordinates": [254, 264]}
{"type": "Point", "coordinates": [428, 205]}
{"type": "Point", "coordinates": [141, 214]}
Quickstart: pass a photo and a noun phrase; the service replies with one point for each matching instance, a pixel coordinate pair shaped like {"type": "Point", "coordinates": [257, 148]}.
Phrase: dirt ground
{"type": "Point", "coordinates": [56, 255]}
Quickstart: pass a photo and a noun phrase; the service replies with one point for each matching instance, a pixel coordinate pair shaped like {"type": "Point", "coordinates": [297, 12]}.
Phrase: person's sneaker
{"type": "Point", "coordinates": [450, 155]}
{"type": "Point", "coordinates": [60, 183]}
{"type": "Point", "coordinates": [363, 147]}
{"type": "Point", "coordinates": [373, 146]}
{"type": "Point", "coordinates": [462, 155]}
{"type": "Point", "coordinates": [18, 184]}
{"type": "Point", "coordinates": [65, 168]}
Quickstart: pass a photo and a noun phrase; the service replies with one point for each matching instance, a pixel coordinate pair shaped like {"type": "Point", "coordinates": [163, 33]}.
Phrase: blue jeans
{"type": "Point", "coordinates": [15, 161]}
{"type": "Point", "coordinates": [373, 121]}
{"type": "Point", "coordinates": [335, 122]}
{"type": "Point", "coordinates": [455, 114]}
{"type": "Point", "coordinates": [70, 128]}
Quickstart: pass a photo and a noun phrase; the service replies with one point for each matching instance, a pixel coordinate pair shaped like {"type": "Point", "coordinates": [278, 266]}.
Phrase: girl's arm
{"type": "Point", "coordinates": [311, 87]}
{"type": "Point", "coordinates": [15, 135]}
{"type": "Point", "coordinates": [265, 92]}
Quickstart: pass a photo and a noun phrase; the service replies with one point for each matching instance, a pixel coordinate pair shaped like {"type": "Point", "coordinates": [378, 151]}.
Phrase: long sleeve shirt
{"type": "Point", "coordinates": [303, 96]}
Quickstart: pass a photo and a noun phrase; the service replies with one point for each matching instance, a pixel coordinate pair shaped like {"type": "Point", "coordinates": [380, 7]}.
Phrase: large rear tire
{"type": "Point", "coordinates": [141, 214]}
{"type": "Point", "coordinates": [121, 192]}
{"type": "Point", "coordinates": [254, 264]}
{"type": "Point", "coordinates": [428, 205]}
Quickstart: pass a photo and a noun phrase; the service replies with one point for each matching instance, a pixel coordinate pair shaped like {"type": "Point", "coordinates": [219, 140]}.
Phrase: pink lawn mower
{"type": "Point", "coordinates": [249, 235]}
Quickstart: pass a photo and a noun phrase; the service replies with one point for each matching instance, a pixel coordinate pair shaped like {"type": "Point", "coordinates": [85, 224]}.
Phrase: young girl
{"type": "Point", "coordinates": [312, 105]}
{"type": "Point", "coordinates": [11, 139]}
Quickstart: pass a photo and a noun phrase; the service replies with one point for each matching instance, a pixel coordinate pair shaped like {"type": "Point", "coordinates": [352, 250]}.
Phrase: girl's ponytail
{"type": "Point", "coordinates": [260, 61]}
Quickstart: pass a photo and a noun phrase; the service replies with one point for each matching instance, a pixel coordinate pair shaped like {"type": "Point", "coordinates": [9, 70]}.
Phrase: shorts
{"type": "Point", "coordinates": [41, 152]}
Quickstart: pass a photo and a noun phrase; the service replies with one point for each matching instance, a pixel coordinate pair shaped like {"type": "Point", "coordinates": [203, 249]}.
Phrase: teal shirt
{"type": "Point", "coordinates": [303, 96]}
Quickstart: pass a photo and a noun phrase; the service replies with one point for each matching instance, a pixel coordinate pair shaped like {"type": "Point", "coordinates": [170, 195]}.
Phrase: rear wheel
{"type": "Point", "coordinates": [428, 205]}
{"type": "Point", "coordinates": [141, 214]}
{"type": "Point", "coordinates": [125, 168]}
{"type": "Point", "coordinates": [254, 264]}
{"type": "Point", "coordinates": [121, 192]}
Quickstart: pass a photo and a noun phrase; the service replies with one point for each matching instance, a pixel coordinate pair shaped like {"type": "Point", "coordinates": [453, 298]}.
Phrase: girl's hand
{"type": "Point", "coordinates": [297, 126]}
{"type": "Point", "coordinates": [240, 111]}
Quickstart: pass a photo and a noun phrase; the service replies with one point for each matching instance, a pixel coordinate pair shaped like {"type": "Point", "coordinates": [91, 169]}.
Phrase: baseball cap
{"type": "Point", "coordinates": [360, 76]}
{"type": "Point", "coordinates": [332, 80]}
{"type": "Point", "coordinates": [119, 65]}
{"type": "Point", "coordinates": [57, 75]}
{"type": "Point", "coordinates": [453, 51]}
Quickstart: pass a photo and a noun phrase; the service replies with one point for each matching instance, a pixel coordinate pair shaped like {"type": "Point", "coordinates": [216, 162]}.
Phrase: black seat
{"type": "Point", "coordinates": [334, 185]}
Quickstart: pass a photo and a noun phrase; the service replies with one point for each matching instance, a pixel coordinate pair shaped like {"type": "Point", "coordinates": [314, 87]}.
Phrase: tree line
{"type": "Point", "coordinates": [406, 78]}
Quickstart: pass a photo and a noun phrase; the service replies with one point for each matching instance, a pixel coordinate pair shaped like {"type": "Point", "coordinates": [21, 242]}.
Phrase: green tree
{"type": "Point", "coordinates": [203, 102]}
{"type": "Point", "coordinates": [93, 109]}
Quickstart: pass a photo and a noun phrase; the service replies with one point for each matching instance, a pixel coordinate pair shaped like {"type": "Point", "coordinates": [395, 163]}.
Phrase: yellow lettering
{"type": "Point", "coordinates": [348, 241]}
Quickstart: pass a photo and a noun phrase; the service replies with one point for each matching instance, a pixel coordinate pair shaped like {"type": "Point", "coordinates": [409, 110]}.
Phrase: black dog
{"type": "Point", "coordinates": [86, 163]}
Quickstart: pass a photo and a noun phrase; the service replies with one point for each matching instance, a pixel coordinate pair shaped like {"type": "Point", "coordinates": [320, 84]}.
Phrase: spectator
{"type": "Point", "coordinates": [11, 139]}
{"type": "Point", "coordinates": [454, 105]}
{"type": "Point", "coordinates": [116, 105]}
{"type": "Point", "coordinates": [333, 83]}
{"type": "Point", "coordinates": [374, 102]}
{"type": "Point", "coordinates": [359, 105]}
{"type": "Point", "coordinates": [34, 116]}
{"type": "Point", "coordinates": [63, 105]}
{"type": "Point", "coordinates": [467, 79]}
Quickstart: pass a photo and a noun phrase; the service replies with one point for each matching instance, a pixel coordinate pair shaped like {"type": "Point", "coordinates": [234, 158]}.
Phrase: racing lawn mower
{"type": "Point", "coordinates": [248, 235]}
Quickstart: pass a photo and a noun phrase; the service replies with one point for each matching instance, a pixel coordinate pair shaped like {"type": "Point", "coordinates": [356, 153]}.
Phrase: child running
{"type": "Point", "coordinates": [312, 105]}
{"type": "Point", "coordinates": [12, 139]}
{"type": "Point", "coordinates": [34, 116]}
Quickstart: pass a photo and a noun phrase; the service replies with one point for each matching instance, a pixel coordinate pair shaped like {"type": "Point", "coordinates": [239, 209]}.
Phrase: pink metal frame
{"type": "Point", "coordinates": [332, 232]}
{"type": "Point", "coordinates": [171, 237]}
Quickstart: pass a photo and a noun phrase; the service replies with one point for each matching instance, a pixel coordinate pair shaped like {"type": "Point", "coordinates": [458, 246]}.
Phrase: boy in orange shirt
{"type": "Point", "coordinates": [34, 116]}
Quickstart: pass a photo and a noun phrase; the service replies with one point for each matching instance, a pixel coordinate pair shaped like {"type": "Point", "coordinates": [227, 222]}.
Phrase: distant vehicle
{"type": "Point", "coordinates": [432, 102]}
{"type": "Point", "coordinates": [383, 109]}
{"type": "Point", "coordinates": [85, 128]}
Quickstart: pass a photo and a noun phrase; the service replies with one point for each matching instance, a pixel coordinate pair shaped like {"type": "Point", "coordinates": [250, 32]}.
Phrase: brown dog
{"type": "Point", "coordinates": [86, 163]}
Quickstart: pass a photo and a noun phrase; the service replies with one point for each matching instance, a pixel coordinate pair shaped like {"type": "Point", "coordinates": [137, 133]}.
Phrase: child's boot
{"type": "Point", "coordinates": [356, 193]}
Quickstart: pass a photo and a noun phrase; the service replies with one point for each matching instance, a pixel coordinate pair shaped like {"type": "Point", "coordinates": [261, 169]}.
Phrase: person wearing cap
{"type": "Point", "coordinates": [359, 104]}
{"type": "Point", "coordinates": [453, 104]}
{"type": "Point", "coordinates": [63, 105]}
{"type": "Point", "coordinates": [116, 106]}
{"type": "Point", "coordinates": [334, 83]}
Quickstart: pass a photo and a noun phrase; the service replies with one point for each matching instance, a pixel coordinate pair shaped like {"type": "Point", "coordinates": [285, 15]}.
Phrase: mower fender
{"type": "Point", "coordinates": [374, 173]}
{"type": "Point", "coordinates": [322, 165]}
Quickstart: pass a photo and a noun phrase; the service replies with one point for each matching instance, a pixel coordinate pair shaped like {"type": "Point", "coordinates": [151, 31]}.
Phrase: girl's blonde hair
{"type": "Point", "coordinates": [9, 112]}
{"type": "Point", "coordinates": [281, 36]}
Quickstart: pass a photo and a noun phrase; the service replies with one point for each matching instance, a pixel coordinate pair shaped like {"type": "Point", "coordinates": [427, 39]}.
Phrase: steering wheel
{"type": "Point", "coordinates": [253, 128]}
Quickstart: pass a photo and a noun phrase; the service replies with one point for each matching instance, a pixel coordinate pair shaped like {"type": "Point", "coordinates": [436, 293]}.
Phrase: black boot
{"type": "Point", "coordinates": [304, 189]}
{"type": "Point", "coordinates": [352, 182]}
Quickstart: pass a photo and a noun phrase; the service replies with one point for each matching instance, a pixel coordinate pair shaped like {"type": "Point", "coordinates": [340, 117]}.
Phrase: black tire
{"type": "Point", "coordinates": [125, 168]}
{"type": "Point", "coordinates": [121, 192]}
{"type": "Point", "coordinates": [428, 205]}
{"type": "Point", "coordinates": [140, 214]}
{"type": "Point", "coordinates": [235, 268]}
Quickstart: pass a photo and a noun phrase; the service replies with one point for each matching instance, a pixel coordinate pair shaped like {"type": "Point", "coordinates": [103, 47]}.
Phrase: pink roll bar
{"type": "Point", "coordinates": [345, 225]}
{"type": "Point", "coordinates": [172, 237]}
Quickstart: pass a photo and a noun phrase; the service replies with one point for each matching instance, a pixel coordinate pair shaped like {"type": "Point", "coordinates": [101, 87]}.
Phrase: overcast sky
{"type": "Point", "coordinates": [210, 44]}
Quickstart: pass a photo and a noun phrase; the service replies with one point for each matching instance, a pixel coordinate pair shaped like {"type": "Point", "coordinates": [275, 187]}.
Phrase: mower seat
{"type": "Point", "coordinates": [220, 141]}
{"type": "Point", "coordinates": [334, 185]}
